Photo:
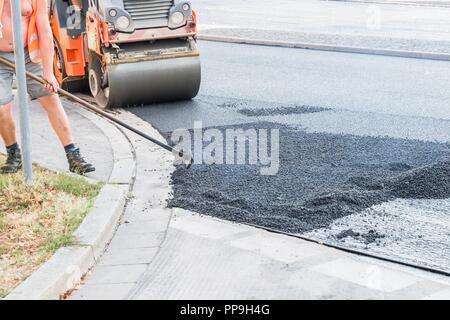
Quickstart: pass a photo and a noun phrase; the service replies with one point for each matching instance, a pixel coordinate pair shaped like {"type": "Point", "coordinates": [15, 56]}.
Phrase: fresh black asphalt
{"type": "Point", "coordinates": [322, 177]}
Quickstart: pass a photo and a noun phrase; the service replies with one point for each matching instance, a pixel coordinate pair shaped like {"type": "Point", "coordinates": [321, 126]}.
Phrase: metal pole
{"type": "Point", "coordinates": [22, 90]}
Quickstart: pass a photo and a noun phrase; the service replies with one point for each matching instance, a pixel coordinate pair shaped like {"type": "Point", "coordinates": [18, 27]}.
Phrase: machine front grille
{"type": "Point", "coordinates": [149, 13]}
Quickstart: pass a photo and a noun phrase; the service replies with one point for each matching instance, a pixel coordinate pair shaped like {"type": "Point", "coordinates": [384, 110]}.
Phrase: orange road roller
{"type": "Point", "coordinates": [127, 52]}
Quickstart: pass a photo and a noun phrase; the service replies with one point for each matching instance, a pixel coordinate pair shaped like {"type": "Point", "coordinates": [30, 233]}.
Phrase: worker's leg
{"type": "Point", "coordinates": [7, 124]}
{"type": "Point", "coordinates": [58, 119]}
{"type": "Point", "coordinates": [8, 133]}
{"type": "Point", "coordinates": [60, 123]}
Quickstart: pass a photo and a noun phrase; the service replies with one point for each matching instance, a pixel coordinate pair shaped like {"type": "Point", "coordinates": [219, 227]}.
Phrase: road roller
{"type": "Point", "coordinates": [126, 52]}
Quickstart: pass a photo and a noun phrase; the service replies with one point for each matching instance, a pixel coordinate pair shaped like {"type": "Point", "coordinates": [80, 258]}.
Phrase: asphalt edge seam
{"type": "Point", "coordinates": [354, 251]}
{"type": "Point", "coordinates": [325, 47]}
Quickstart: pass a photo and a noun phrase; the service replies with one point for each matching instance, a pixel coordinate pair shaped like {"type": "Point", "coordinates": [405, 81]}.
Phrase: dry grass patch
{"type": "Point", "coordinates": [36, 221]}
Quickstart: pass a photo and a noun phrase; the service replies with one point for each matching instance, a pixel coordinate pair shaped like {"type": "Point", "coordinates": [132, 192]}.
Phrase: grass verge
{"type": "Point", "coordinates": [36, 221]}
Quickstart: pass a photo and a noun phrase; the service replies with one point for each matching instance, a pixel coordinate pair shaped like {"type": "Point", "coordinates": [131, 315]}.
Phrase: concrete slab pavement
{"type": "Point", "coordinates": [206, 258]}
{"type": "Point", "coordinates": [143, 226]}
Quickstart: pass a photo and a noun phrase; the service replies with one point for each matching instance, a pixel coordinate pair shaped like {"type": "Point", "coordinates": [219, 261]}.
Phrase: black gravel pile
{"type": "Point", "coordinates": [427, 182]}
{"type": "Point", "coordinates": [252, 108]}
{"type": "Point", "coordinates": [322, 177]}
{"type": "Point", "coordinates": [252, 112]}
{"type": "Point", "coordinates": [369, 237]}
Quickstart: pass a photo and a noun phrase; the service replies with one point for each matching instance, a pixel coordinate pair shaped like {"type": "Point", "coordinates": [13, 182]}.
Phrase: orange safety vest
{"type": "Point", "coordinates": [33, 38]}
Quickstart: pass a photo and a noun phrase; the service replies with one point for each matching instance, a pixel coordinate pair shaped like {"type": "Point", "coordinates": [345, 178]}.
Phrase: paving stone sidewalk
{"type": "Point", "coordinates": [204, 258]}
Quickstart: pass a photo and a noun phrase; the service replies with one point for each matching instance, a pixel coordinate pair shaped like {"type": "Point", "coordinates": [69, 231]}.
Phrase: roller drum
{"type": "Point", "coordinates": [147, 82]}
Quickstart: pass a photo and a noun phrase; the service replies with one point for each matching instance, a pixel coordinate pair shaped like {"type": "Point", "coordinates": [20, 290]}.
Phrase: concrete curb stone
{"type": "Point", "coordinates": [324, 47]}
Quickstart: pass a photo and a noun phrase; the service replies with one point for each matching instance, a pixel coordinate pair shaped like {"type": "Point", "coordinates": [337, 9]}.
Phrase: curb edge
{"type": "Point", "coordinates": [325, 47]}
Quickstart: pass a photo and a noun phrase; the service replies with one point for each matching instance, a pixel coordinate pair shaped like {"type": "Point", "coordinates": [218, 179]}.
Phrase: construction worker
{"type": "Point", "coordinates": [39, 51]}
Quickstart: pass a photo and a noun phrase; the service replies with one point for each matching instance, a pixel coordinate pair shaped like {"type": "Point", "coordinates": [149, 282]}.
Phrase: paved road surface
{"type": "Point", "coordinates": [367, 87]}
{"type": "Point", "coordinates": [355, 24]}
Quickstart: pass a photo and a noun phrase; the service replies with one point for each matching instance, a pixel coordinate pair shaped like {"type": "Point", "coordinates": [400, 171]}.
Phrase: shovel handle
{"type": "Point", "coordinates": [104, 114]}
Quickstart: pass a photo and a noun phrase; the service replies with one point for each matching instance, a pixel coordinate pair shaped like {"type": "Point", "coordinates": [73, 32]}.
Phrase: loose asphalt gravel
{"type": "Point", "coordinates": [322, 177]}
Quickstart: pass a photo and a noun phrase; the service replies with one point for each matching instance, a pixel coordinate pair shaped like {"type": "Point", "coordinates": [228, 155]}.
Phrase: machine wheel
{"type": "Point", "coordinates": [144, 82]}
{"type": "Point", "coordinates": [97, 81]}
{"type": "Point", "coordinates": [60, 72]}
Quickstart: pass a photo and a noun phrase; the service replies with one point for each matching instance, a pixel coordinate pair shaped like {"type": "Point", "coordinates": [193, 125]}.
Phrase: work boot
{"type": "Point", "coordinates": [13, 162]}
{"type": "Point", "coordinates": [77, 164]}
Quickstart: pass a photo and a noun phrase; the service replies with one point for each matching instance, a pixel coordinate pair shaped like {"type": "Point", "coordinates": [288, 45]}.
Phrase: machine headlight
{"type": "Point", "coordinates": [186, 7]}
{"type": "Point", "coordinates": [113, 13]}
{"type": "Point", "coordinates": [177, 18]}
{"type": "Point", "coordinates": [123, 23]}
